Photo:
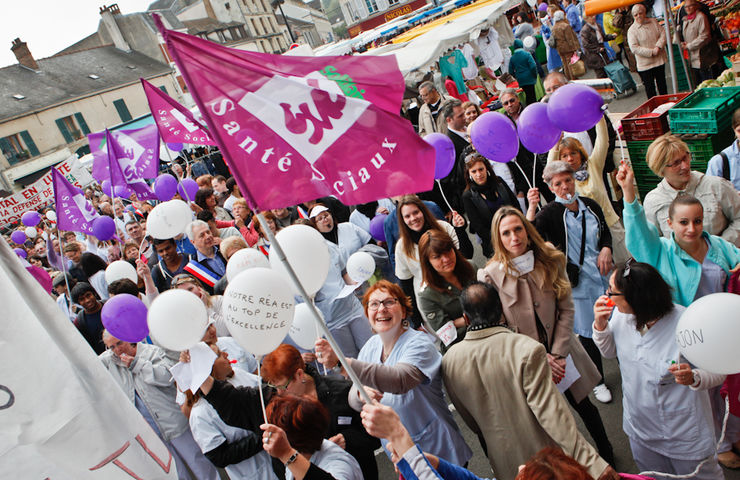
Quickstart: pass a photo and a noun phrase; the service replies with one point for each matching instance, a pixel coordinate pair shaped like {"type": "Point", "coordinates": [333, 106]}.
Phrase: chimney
{"type": "Point", "coordinates": [23, 54]}
{"type": "Point", "coordinates": [108, 14]}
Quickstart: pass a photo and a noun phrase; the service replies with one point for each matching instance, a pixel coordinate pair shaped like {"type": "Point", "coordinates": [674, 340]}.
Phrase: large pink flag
{"type": "Point", "coordinates": [123, 171]}
{"type": "Point", "coordinates": [176, 124]}
{"type": "Point", "coordinates": [74, 212]}
{"type": "Point", "coordinates": [294, 129]}
{"type": "Point", "coordinates": [138, 146]}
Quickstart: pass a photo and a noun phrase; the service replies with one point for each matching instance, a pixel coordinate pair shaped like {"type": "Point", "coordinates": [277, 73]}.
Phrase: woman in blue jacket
{"type": "Point", "coordinates": [693, 262]}
{"type": "Point", "coordinates": [524, 69]}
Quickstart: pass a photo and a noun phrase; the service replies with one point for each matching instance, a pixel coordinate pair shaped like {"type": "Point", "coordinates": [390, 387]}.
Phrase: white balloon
{"type": "Point", "coordinates": [51, 216]}
{"type": "Point", "coordinates": [30, 232]}
{"type": "Point", "coordinates": [303, 329]}
{"type": "Point", "coordinates": [360, 266]}
{"type": "Point", "coordinates": [307, 253]}
{"type": "Point", "coordinates": [168, 219]}
{"type": "Point", "coordinates": [707, 333]}
{"type": "Point", "coordinates": [177, 319]}
{"type": "Point", "coordinates": [244, 259]}
{"type": "Point", "coordinates": [120, 269]}
{"type": "Point", "coordinates": [258, 309]}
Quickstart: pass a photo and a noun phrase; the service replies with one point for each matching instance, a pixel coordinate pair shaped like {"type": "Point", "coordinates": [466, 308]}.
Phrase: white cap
{"type": "Point", "coordinates": [530, 43]}
{"type": "Point", "coordinates": [316, 210]}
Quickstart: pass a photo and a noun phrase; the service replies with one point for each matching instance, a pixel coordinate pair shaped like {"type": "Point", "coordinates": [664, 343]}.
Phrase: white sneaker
{"type": "Point", "coordinates": [602, 393]}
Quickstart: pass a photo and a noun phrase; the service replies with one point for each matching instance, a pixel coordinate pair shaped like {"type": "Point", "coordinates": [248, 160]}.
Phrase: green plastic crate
{"type": "Point", "coordinates": [705, 111]}
{"type": "Point", "coordinates": [681, 79]}
{"type": "Point", "coordinates": [704, 147]}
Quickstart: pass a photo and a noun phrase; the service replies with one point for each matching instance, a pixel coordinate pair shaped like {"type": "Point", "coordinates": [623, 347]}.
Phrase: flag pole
{"type": "Point", "coordinates": [63, 260]}
{"type": "Point", "coordinates": [312, 308]}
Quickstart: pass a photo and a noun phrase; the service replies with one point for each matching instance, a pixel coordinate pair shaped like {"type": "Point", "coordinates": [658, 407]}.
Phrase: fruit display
{"type": "Point", "coordinates": [726, 79]}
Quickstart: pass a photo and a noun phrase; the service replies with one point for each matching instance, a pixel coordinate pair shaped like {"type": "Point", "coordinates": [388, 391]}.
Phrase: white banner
{"type": "Point", "coordinates": [41, 193]}
{"type": "Point", "coordinates": [62, 417]}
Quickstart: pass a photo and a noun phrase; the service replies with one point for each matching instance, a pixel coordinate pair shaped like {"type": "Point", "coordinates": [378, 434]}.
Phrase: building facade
{"type": "Point", "coordinates": [363, 15]}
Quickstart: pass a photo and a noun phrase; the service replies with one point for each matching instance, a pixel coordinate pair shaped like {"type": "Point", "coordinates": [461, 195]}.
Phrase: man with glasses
{"type": "Point", "coordinates": [430, 120]}
{"type": "Point", "coordinates": [142, 372]}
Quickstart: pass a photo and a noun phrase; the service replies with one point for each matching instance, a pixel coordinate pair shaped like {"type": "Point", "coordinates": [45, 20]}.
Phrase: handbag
{"type": "Point", "coordinates": [578, 69]}
{"type": "Point", "coordinates": [573, 270]}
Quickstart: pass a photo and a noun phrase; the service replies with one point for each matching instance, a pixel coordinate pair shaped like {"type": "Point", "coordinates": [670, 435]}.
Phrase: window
{"type": "Point", "coordinates": [393, 2]}
{"type": "Point", "coordinates": [73, 127]}
{"type": "Point", "coordinates": [372, 6]}
{"type": "Point", "coordinates": [122, 110]}
{"type": "Point", "coordinates": [18, 147]}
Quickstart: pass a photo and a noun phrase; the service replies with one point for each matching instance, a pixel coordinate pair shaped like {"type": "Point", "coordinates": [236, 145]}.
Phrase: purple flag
{"type": "Point", "coordinates": [294, 129]}
{"type": "Point", "coordinates": [176, 124]}
{"type": "Point", "coordinates": [138, 146]}
{"type": "Point", "coordinates": [123, 172]}
{"type": "Point", "coordinates": [74, 212]}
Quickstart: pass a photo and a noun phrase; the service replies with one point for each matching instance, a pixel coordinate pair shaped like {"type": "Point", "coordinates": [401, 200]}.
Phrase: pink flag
{"type": "Point", "coordinates": [74, 212]}
{"type": "Point", "coordinates": [176, 124]}
{"type": "Point", "coordinates": [123, 171]}
{"type": "Point", "coordinates": [294, 129]}
{"type": "Point", "coordinates": [138, 146]}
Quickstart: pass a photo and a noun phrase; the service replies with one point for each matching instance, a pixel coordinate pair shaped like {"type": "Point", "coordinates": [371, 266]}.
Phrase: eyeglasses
{"type": "Point", "coordinates": [611, 294]}
{"type": "Point", "coordinates": [685, 159]}
{"type": "Point", "coordinates": [387, 303]}
{"type": "Point", "coordinates": [280, 387]}
{"type": "Point", "coordinates": [115, 345]}
{"type": "Point", "coordinates": [507, 102]}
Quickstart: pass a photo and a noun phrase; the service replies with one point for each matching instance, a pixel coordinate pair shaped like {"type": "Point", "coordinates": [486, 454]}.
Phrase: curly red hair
{"type": "Point", "coordinates": [304, 420]}
{"type": "Point", "coordinates": [551, 463]}
{"type": "Point", "coordinates": [282, 362]}
{"type": "Point", "coordinates": [392, 289]}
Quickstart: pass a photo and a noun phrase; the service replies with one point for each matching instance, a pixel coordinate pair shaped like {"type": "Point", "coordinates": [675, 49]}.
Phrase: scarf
{"type": "Point", "coordinates": [332, 235]}
{"type": "Point", "coordinates": [596, 28]}
{"type": "Point", "coordinates": [416, 236]}
{"type": "Point", "coordinates": [581, 174]}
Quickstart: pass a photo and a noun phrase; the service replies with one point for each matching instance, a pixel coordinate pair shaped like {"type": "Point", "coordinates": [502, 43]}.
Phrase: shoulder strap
{"type": "Point", "coordinates": [725, 166]}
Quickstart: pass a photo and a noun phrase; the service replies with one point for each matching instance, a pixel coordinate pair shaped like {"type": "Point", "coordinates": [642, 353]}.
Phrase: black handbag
{"type": "Point", "coordinates": [573, 270]}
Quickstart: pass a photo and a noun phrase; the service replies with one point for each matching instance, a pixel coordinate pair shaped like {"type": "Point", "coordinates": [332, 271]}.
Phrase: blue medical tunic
{"type": "Point", "coordinates": [423, 410]}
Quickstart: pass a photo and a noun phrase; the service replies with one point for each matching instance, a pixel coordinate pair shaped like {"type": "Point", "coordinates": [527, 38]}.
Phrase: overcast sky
{"type": "Point", "coordinates": [48, 26]}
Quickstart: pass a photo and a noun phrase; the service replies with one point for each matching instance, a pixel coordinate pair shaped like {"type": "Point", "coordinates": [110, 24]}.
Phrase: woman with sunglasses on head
{"type": "Point", "coordinates": [484, 193]}
{"type": "Point", "coordinates": [693, 262]}
{"type": "Point", "coordinates": [286, 371]}
{"type": "Point", "coordinates": [530, 277]}
{"type": "Point", "coordinates": [668, 425]}
{"type": "Point", "coordinates": [404, 365]}
{"type": "Point", "coordinates": [446, 273]}
{"type": "Point", "coordinates": [669, 158]}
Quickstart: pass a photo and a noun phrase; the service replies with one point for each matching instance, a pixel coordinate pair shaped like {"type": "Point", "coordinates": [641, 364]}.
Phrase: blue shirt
{"type": "Point", "coordinates": [423, 410]}
{"type": "Point", "coordinates": [574, 17]}
{"type": "Point", "coordinates": [715, 166]}
{"type": "Point", "coordinates": [216, 264]}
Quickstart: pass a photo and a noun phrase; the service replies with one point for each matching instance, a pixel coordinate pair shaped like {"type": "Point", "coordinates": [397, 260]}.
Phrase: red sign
{"type": "Point", "coordinates": [380, 18]}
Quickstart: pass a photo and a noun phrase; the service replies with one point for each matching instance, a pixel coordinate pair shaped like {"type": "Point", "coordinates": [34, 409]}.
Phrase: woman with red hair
{"type": "Point", "coordinates": [551, 463]}
{"type": "Point", "coordinates": [285, 370]}
{"type": "Point", "coordinates": [295, 436]}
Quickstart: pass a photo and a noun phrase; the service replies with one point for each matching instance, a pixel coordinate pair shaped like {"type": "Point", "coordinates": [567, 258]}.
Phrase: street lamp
{"type": "Point", "coordinates": [279, 3]}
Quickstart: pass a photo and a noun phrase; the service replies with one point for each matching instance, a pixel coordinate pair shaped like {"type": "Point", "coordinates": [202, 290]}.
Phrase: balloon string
{"type": "Point", "coordinates": [524, 174]}
{"type": "Point", "coordinates": [262, 398]}
{"type": "Point", "coordinates": [443, 195]}
{"type": "Point", "coordinates": [318, 335]}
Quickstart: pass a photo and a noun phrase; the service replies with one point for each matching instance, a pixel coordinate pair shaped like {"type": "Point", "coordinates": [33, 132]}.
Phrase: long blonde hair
{"type": "Point", "coordinates": [551, 259]}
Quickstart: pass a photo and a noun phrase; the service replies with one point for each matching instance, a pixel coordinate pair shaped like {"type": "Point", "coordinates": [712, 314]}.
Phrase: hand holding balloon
{"type": "Point", "coordinates": [682, 373]}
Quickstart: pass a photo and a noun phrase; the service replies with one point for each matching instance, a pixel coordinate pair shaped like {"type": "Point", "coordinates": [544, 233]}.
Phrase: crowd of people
{"type": "Point", "coordinates": [500, 290]}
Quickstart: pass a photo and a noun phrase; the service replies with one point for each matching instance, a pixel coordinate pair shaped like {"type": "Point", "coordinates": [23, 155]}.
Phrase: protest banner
{"type": "Point", "coordinates": [62, 417]}
{"type": "Point", "coordinates": [40, 193]}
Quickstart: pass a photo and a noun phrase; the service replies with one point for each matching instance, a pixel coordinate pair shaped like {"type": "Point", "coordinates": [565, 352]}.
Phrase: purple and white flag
{"type": "Point", "coordinates": [176, 124]}
{"type": "Point", "coordinates": [74, 212]}
{"type": "Point", "coordinates": [293, 129]}
{"type": "Point", "coordinates": [123, 172]}
{"type": "Point", "coordinates": [139, 147]}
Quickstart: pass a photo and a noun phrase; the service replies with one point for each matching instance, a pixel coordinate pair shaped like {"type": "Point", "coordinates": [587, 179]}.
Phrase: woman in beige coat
{"type": "Point", "coordinates": [529, 275]}
{"type": "Point", "coordinates": [647, 41]}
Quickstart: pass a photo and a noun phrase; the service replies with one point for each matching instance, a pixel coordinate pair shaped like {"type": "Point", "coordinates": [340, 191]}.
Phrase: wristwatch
{"type": "Point", "coordinates": [292, 458]}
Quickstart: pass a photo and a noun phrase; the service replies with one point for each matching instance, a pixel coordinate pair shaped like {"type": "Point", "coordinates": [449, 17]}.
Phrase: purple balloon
{"type": "Point", "coordinates": [103, 228]}
{"type": "Point", "coordinates": [494, 136]}
{"type": "Point", "coordinates": [31, 219]}
{"type": "Point", "coordinates": [20, 252]}
{"type": "Point", "coordinates": [376, 227]}
{"type": "Point", "coordinates": [121, 191]}
{"type": "Point", "coordinates": [536, 131]}
{"type": "Point", "coordinates": [165, 186]}
{"type": "Point", "coordinates": [18, 237]}
{"type": "Point", "coordinates": [187, 189]}
{"type": "Point", "coordinates": [124, 316]}
{"type": "Point", "coordinates": [444, 153]}
{"type": "Point", "coordinates": [575, 107]}
{"type": "Point", "coordinates": [542, 7]}
{"type": "Point", "coordinates": [105, 186]}
{"type": "Point", "coordinates": [175, 147]}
